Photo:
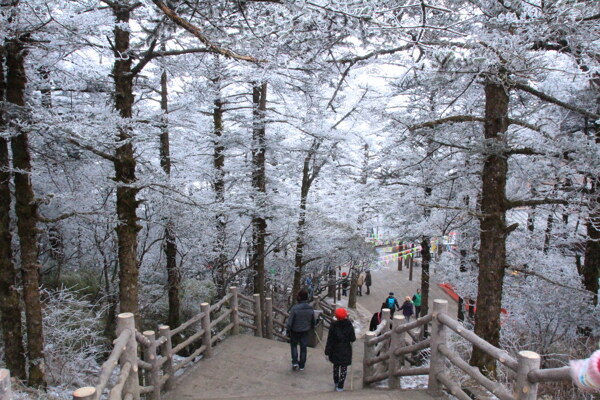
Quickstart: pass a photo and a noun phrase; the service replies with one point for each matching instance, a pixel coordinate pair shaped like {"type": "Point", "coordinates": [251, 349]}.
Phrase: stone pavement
{"type": "Point", "coordinates": [247, 367]}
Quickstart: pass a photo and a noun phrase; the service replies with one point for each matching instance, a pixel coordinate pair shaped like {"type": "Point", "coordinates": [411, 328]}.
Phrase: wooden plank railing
{"type": "Point", "coordinates": [385, 350]}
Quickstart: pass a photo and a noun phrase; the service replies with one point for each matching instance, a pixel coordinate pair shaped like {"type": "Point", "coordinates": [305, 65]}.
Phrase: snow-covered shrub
{"type": "Point", "coordinates": [73, 339]}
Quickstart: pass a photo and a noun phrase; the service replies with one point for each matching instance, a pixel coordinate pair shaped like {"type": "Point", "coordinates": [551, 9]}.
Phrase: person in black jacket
{"type": "Point", "coordinates": [339, 347]}
{"type": "Point", "coordinates": [298, 324]}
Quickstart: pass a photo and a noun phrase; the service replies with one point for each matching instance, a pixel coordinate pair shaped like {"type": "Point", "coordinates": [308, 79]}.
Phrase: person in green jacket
{"type": "Point", "coordinates": [417, 302]}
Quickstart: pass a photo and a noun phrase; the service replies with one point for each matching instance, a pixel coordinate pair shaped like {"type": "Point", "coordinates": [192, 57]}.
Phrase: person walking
{"type": "Point", "coordinates": [300, 321]}
{"type": "Point", "coordinates": [407, 308]}
{"type": "Point", "coordinates": [339, 347]}
{"type": "Point", "coordinates": [360, 281]}
{"type": "Point", "coordinates": [345, 284]}
{"type": "Point", "coordinates": [417, 302]}
{"type": "Point", "coordinates": [368, 281]}
{"type": "Point", "coordinates": [392, 304]}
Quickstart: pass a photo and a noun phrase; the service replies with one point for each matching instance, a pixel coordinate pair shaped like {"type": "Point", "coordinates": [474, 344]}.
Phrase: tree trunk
{"type": "Point", "coordinates": [425, 261]}
{"type": "Point", "coordinates": [173, 275]}
{"type": "Point", "coordinates": [220, 264]}
{"type": "Point", "coordinates": [298, 259]}
{"type": "Point", "coordinates": [590, 269]}
{"type": "Point", "coordinates": [125, 163]}
{"type": "Point", "coordinates": [548, 232]}
{"type": "Point", "coordinates": [259, 222]}
{"type": "Point", "coordinates": [26, 211]}
{"type": "Point", "coordinates": [492, 252]}
{"type": "Point", "coordinates": [10, 306]}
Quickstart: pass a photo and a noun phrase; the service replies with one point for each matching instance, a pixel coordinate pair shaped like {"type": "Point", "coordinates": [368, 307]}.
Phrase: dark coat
{"type": "Point", "coordinates": [301, 319]}
{"type": "Point", "coordinates": [375, 321]}
{"type": "Point", "coordinates": [368, 278]}
{"type": "Point", "coordinates": [339, 342]}
{"type": "Point", "coordinates": [407, 308]}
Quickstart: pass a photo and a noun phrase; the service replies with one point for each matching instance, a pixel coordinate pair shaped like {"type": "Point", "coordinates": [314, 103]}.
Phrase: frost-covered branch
{"type": "Point", "coordinates": [194, 30]}
{"type": "Point", "coordinates": [554, 100]}
{"type": "Point", "coordinates": [531, 273]}
{"type": "Point", "coordinates": [531, 203]}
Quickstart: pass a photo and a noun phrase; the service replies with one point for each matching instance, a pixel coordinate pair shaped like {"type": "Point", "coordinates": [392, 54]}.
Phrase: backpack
{"type": "Point", "coordinates": [390, 303]}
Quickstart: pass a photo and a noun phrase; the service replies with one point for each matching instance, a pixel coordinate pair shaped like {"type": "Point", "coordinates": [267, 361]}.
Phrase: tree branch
{"type": "Point", "coordinates": [97, 152]}
{"type": "Point", "coordinates": [531, 273]}
{"type": "Point", "coordinates": [194, 30]}
{"type": "Point", "coordinates": [531, 203]}
{"type": "Point", "coordinates": [553, 100]}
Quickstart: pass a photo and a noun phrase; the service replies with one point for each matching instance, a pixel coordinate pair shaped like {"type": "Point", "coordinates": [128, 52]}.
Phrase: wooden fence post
{"type": "Point", "coordinates": [5, 392]}
{"type": "Point", "coordinates": [152, 376]}
{"type": "Point", "coordinates": [207, 337]}
{"type": "Point", "coordinates": [269, 318]}
{"type": "Point", "coordinates": [400, 246]}
{"type": "Point", "coordinates": [166, 350]}
{"type": "Point", "coordinates": [395, 343]}
{"type": "Point", "coordinates": [258, 322]}
{"type": "Point", "coordinates": [368, 354]}
{"type": "Point", "coordinates": [438, 336]}
{"type": "Point", "coordinates": [524, 389]}
{"type": "Point", "coordinates": [132, 385]}
{"type": "Point", "coordinates": [84, 393]}
{"type": "Point", "coordinates": [235, 316]}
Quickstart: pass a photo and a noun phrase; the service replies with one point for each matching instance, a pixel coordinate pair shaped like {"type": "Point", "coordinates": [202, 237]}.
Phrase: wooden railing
{"type": "Point", "coordinates": [386, 350]}
{"type": "Point", "coordinates": [195, 337]}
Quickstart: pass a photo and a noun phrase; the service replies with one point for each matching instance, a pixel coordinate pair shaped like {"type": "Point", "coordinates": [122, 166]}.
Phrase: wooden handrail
{"type": "Point", "coordinates": [188, 341]}
{"type": "Point", "coordinates": [247, 298]}
{"type": "Point", "coordinates": [411, 371]}
{"type": "Point", "coordinates": [412, 325]}
{"type": "Point", "coordinates": [117, 390]}
{"type": "Point", "coordinates": [499, 354]}
{"type": "Point", "coordinates": [187, 323]}
{"type": "Point", "coordinates": [550, 375]}
{"type": "Point", "coordinates": [494, 387]}
{"type": "Point", "coordinates": [221, 317]}
{"type": "Point", "coordinates": [248, 312]}
{"type": "Point", "coordinates": [219, 303]}
{"type": "Point", "coordinates": [109, 365]}
{"type": "Point", "coordinates": [413, 347]}
{"type": "Point", "coordinates": [379, 338]}
{"type": "Point", "coordinates": [454, 387]}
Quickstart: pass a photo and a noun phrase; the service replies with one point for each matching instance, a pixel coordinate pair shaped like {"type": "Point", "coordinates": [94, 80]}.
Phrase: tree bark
{"type": "Point", "coordinates": [298, 258]}
{"type": "Point", "coordinates": [259, 222]}
{"type": "Point", "coordinates": [220, 264]}
{"type": "Point", "coordinates": [492, 252]}
{"type": "Point", "coordinates": [170, 246]}
{"type": "Point", "coordinates": [10, 306]}
{"type": "Point", "coordinates": [590, 270]}
{"type": "Point", "coordinates": [425, 261]}
{"type": "Point", "coordinates": [27, 216]}
{"type": "Point", "coordinates": [125, 164]}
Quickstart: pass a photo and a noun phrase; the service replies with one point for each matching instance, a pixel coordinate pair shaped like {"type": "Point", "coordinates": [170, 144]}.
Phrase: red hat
{"type": "Point", "coordinates": [344, 274]}
{"type": "Point", "coordinates": [341, 314]}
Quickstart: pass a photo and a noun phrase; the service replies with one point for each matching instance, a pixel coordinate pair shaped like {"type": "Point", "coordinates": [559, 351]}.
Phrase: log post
{"type": "Point", "coordinates": [166, 350]}
{"type": "Point", "coordinates": [269, 318]}
{"type": "Point", "coordinates": [368, 354]}
{"type": "Point", "coordinates": [524, 389]}
{"type": "Point", "coordinates": [207, 337]}
{"type": "Point", "coordinates": [152, 376]}
{"type": "Point", "coordinates": [84, 393]}
{"type": "Point", "coordinates": [132, 385]}
{"type": "Point", "coordinates": [395, 343]}
{"type": "Point", "coordinates": [258, 322]}
{"type": "Point", "coordinates": [438, 336]}
{"type": "Point", "coordinates": [235, 316]}
{"type": "Point", "coordinates": [410, 266]}
{"type": "Point", "coordinates": [400, 246]}
{"type": "Point", "coordinates": [5, 392]}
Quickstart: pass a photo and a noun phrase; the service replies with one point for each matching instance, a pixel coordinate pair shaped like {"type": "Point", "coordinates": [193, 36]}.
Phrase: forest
{"type": "Point", "coordinates": [155, 152]}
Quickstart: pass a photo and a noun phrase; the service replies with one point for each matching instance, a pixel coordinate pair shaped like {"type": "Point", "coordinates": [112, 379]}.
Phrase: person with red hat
{"type": "Point", "coordinates": [345, 284]}
{"type": "Point", "coordinates": [339, 347]}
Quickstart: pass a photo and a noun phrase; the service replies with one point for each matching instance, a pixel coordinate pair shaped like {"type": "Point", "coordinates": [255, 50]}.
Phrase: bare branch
{"type": "Point", "coordinates": [531, 203]}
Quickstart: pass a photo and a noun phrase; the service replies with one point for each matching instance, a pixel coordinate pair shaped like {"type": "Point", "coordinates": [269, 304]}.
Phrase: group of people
{"type": "Point", "coordinates": [410, 307]}
{"type": "Point", "coordinates": [338, 348]}
{"type": "Point", "coordinates": [364, 278]}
